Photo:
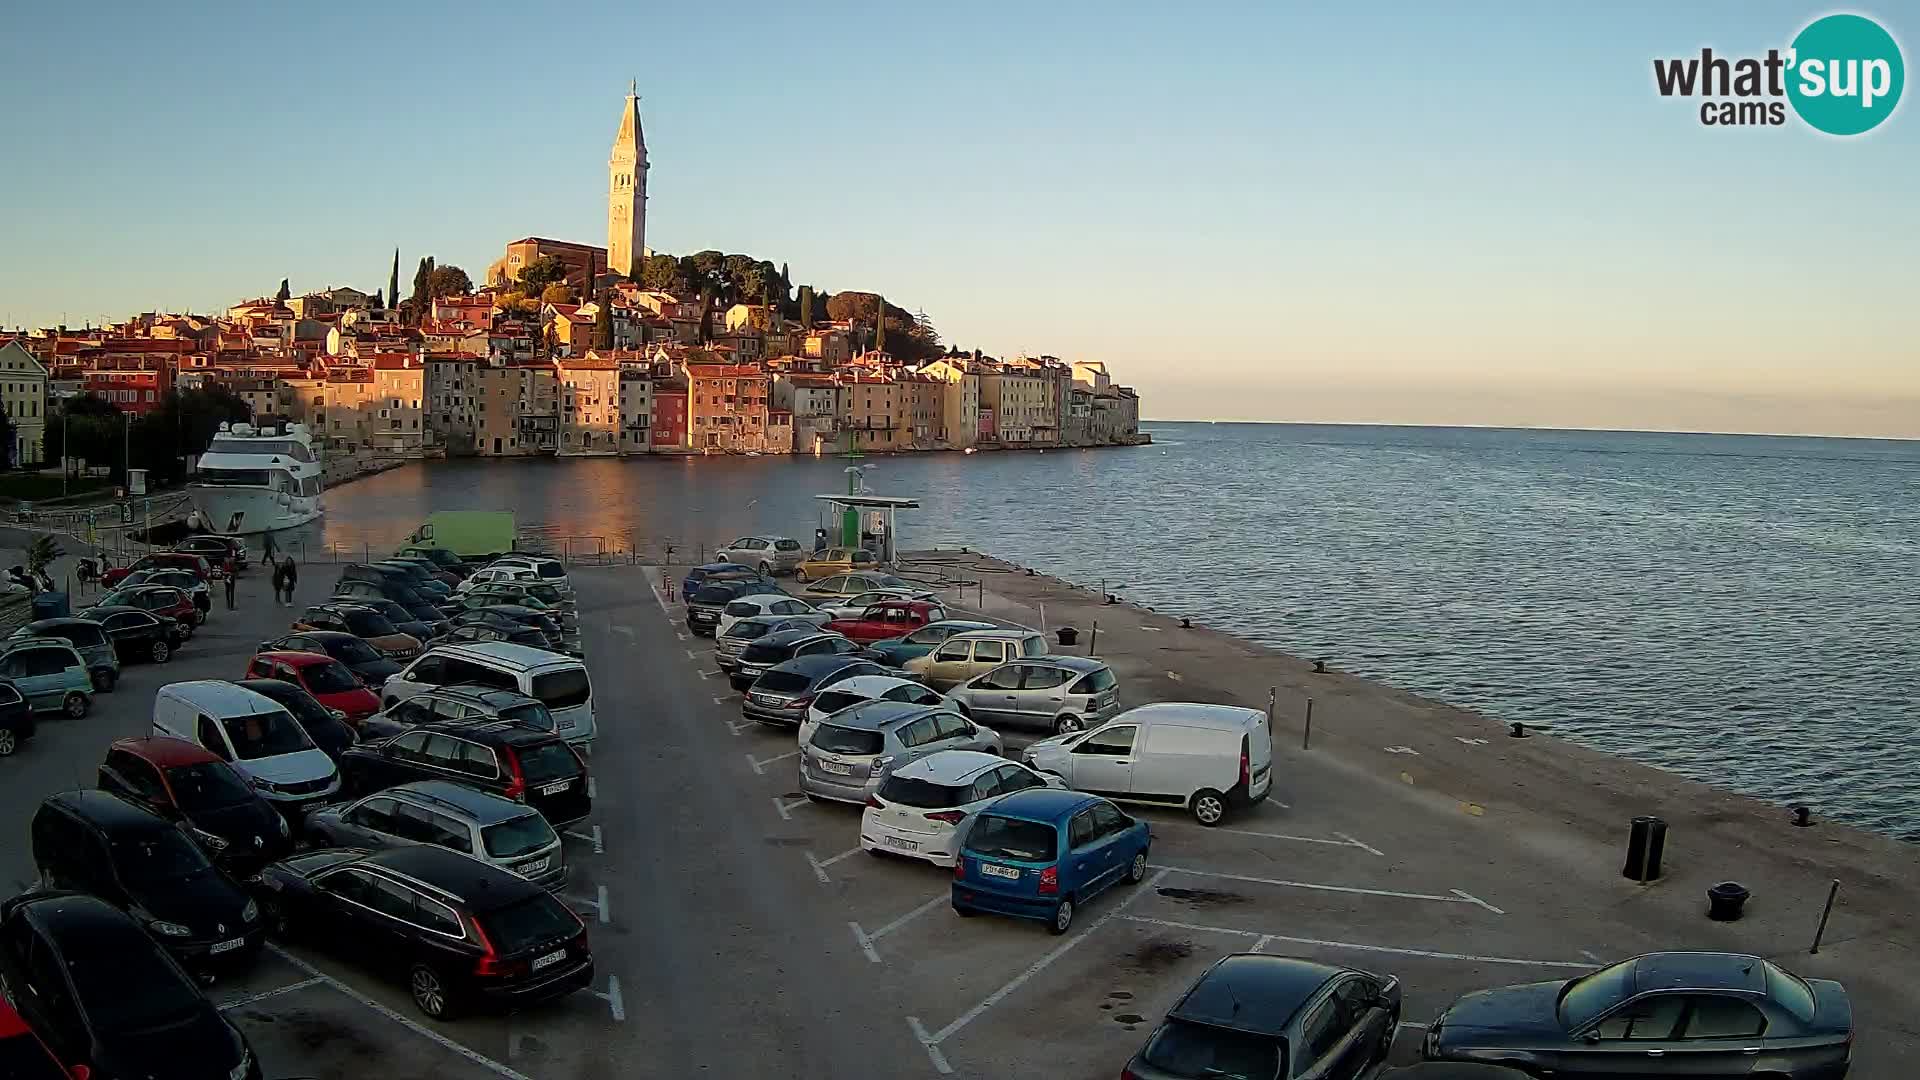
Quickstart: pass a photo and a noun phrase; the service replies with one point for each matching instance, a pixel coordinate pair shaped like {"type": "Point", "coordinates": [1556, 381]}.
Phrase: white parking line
{"type": "Point", "coordinates": [785, 809]}
{"type": "Point", "coordinates": [760, 764]}
{"type": "Point", "coordinates": [867, 940]}
{"type": "Point", "coordinates": [599, 848]}
{"type": "Point", "coordinates": [738, 726]}
{"type": "Point", "coordinates": [866, 943]}
{"type": "Point", "coordinates": [728, 700]}
{"type": "Point", "coordinates": [581, 901]}
{"type": "Point", "coordinates": [423, 1031]}
{"type": "Point", "coordinates": [933, 1050]}
{"type": "Point", "coordinates": [1343, 839]}
{"type": "Point", "coordinates": [1261, 945]}
{"type": "Point", "coordinates": [1370, 849]}
{"type": "Point", "coordinates": [709, 674]}
{"type": "Point", "coordinates": [1457, 896]}
{"type": "Point", "coordinates": [691, 655]}
{"type": "Point", "coordinates": [275, 992]}
{"type": "Point", "coordinates": [615, 1003]}
{"type": "Point", "coordinates": [679, 635]}
{"type": "Point", "coordinates": [820, 865]}
{"type": "Point", "coordinates": [1431, 954]}
{"type": "Point", "coordinates": [591, 791]}
{"type": "Point", "coordinates": [606, 914]}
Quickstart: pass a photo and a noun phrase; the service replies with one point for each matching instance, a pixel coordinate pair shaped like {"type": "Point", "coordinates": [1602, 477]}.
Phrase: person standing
{"type": "Point", "coordinates": [279, 581]}
{"type": "Point", "coordinates": [292, 578]}
{"type": "Point", "coordinates": [232, 570]}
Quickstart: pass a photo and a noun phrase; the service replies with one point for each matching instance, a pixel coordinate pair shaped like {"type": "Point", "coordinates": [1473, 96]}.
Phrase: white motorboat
{"type": "Point", "coordinates": [258, 479]}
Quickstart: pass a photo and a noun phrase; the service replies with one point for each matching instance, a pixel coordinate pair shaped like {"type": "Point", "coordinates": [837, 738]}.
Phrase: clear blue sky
{"type": "Point", "coordinates": [1381, 212]}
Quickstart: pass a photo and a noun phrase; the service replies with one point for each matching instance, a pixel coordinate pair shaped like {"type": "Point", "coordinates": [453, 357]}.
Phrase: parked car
{"type": "Point", "coordinates": [23, 1056]}
{"type": "Point", "coordinates": [511, 615]}
{"type": "Point", "coordinates": [782, 695]}
{"type": "Point", "coordinates": [768, 554]}
{"type": "Point", "coordinates": [551, 570]}
{"type": "Point", "coordinates": [17, 724]}
{"type": "Point", "coordinates": [179, 560]}
{"type": "Point", "coordinates": [514, 762]}
{"type": "Point", "coordinates": [856, 606]}
{"type": "Point", "coordinates": [842, 586]}
{"type": "Point", "coordinates": [88, 637]}
{"type": "Point", "coordinates": [920, 808]}
{"type": "Point", "coordinates": [357, 655]}
{"type": "Point", "coordinates": [462, 705]}
{"type": "Point", "coordinates": [510, 835]}
{"type": "Point", "coordinates": [850, 692]}
{"type": "Point", "coordinates": [1060, 694]}
{"type": "Point", "coordinates": [1252, 1014]}
{"type": "Point", "coordinates": [1212, 760]}
{"type": "Point", "coordinates": [828, 562]}
{"type": "Point", "coordinates": [754, 605]}
{"type": "Point", "coordinates": [327, 727]}
{"type": "Point", "coordinates": [421, 630]}
{"type": "Point", "coordinates": [519, 635]}
{"type": "Point", "coordinates": [70, 963]}
{"type": "Point", "coordinates": [441, 557]}
{"type": "Point", "coordinates": [425, 581]}
{"type": "Point", "coordinates": [728, 644]}
{"type": "Point", "coordinates": [137, 634]}
{"type": "Point", "coordinates": [495, 573]}
{"type": "Point", "coordinates": [1659, 1014]}
{"type": "Point", "coordinates": [976, 652]}
{"type": "Point", "coordinates": [215, 549]}
{"type": "Point", "coordinates": [186, 581]}
{"type": "Point", "coordinates": [101, 844]}
{"type": "Point", "coordinates": [1042, 853]}
{"type": "Point", "coordinates": [887, 619]}
{"type": "Point", "coordinates": [364, 623]}
{"type": "Point", "coordinates": [394, 582]}
{"type": "Point", "coordinates": [779, 648]}
{"type": "Point", "coordinates": [700, 575]}
{"type": "Point", "coordinates": [705, 604]}
{"type": "Point", "coordinates": [464, 934]}
{"type": "Point", "coordinates": [433, 570]}
{"type": "Point", "coordinates": [254, 734]}
{"type": "Point", "coordinates": [416, 606]}
{"type": "Point", "coordinates": [895, 652]}
{"type": "Point", "coordinates": [320, 675]}
{"type": "Point", "coordinates": [483, 596]}
{"type": "Point", "coordinates": [852, 751]}
{"type": "Point", "coordinates": [185, 783]}
{"type": "Point", "coordinates": [559, 682]}
{"type": "Point", "coordinates": [162, 600]}
{"type": "Point", "coordinates": [50, 674]}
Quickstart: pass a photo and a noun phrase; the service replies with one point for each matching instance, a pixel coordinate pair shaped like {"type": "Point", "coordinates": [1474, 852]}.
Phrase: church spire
{"type": "Point", "coordinates": [627, 190]}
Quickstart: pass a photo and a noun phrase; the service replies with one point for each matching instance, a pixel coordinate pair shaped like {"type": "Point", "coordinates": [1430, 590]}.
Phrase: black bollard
{"type": "Point", "coordinates": [1186, 624]}
{"type": "Point", "coordinates": [1802, 816]}
{"type": "Point", "coordinates": [1725, 900]}
{"type": "Point", "coordinates": [1320, 667]}
{"type": "Point", "coordinates": [1518, 731]}
{"type": "Point", "coordinates": [1646, 843]}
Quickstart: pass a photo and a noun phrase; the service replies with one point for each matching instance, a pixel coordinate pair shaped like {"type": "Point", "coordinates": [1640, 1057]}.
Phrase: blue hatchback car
{"type": "Point", "coordinates": [1042, 852]}
{"type": "Point", "coordinates": [698, 575]}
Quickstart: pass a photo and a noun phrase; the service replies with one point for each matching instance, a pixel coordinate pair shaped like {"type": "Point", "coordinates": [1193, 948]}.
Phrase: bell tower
{"type": "Point", "coordinates": [627, 191]}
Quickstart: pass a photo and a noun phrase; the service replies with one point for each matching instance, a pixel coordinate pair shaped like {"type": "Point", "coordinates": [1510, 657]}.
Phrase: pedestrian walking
{"type": "Point", "coordinates": [292, 578]}
{"type": "Point", "coordinates": [232, 571]}
{"type": "Point", "coordinates": [279, 581]}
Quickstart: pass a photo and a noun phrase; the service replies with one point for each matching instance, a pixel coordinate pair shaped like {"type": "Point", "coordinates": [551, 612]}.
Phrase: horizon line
{"type": "Point", "coordinates": [1522, 427]}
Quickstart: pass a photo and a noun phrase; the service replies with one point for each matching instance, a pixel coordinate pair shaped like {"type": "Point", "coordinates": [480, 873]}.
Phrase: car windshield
{"type": "Point", "coordinates": [1011, 838]}
{"type": "Point", "coordinates": [528, 922]}
{"type": "Point", "coordinates": [1790, 991]}
{"type": "Point", "coordinates": [351, 650]}
{"type": "Point", "coordinates": [923, 794]}
{"type": "Point", "coordinates": [782, 682]}
{"type": "Point", "coordinates": [85, 635]}
{"type": "Point", "coordinates": [1196, 1050]}
{"type": "Point", "coordinates": [533, 714]}
{"type": "Point", "coordinates": [267, 734]}
{"type": "Point", "coordinates": [715, 594]}
{"type": "Point", "coordinates": [545, 762]}
{"type": "Point", "coordinates": [562, 689]}
{"type": "Point", "coordinates": [519, 836]}
{"type": "Point", "coordinates": [1094, 682]}
{"type": "Point", "coordinates": [835, 739]}
{"type": "Point", "coordinates": [1591, 995]}
{"type": "Point", "coordinates": [747, 631]}
{"type": "Point", "coordinates": [156, 857]}
{"type": "Point", "coordinates": [207, 785]}
{"type": "Point", "coordinates": [740, 609]}
{"type": "Point", "coordinates": [331, 677]}
{"type": "Point", "coordinates": [368, 623]}
{"type": "Point", "coordinates": [103, 969]}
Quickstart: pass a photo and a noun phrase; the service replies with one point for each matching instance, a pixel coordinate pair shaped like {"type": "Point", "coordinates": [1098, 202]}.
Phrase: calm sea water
{"type": "Point", "coordinates": [1742, 610]}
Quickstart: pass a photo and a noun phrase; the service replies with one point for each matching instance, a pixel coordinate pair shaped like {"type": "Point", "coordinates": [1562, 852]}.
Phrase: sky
{"type": "Point", "coordinates": [1374, 213]}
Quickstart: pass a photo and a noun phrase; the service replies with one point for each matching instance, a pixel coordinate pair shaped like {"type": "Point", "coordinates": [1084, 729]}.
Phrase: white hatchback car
{"type": "Point", "coordinates": [746, 607]}
{"type": "Point", "coordinates": [768, 554]}
{"type": "Point", "coordinates": [852, 607]}
{"type": "Point", "coordinates": [920, 807]}
{"type": "Point", "coordinates": [850, 692]}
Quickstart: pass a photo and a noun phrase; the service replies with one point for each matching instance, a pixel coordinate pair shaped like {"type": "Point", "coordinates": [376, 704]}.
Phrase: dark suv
{"type": "Point", "coordinates": [778, 648]}
{"type": "Point", "coordinates": [465, 934]}
{"type": "Point", "coordinates": [781, 696]}
{"type": "Point", "coordinates": [534, 767]}
{"type": "Point", "coordinates": [710, 599]}
{"type": "Point", "coordinates": [463, 704]}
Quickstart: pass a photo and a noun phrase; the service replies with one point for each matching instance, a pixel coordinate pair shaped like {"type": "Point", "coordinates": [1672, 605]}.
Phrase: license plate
{"type": "Point", "coordinates": [767, 699]}
{"type": "Point", "coordinates": [1007, 872]}
{"type": "Point", "coordinates": [535, 867]}
{"type": "Point", "coordinates": [836, 768]}
{"type": "Point", "coordinates": [701, 616]}
{"type": "Point", "coordinates": [550, 959]}
{"type": "Point", "coordinates": [555, 789]}
{"type": "Point", "coordinates": [226, 946]}
{"type": "Point", "coordinates": [903, 845]}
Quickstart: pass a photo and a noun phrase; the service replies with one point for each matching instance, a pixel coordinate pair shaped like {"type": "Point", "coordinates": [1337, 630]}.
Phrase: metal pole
{"type": "Point", "coordinates": [1306, 733]}
{"type": "Point", "coordinates": [1832, 891]}
{"type": "Point", "coordinates": [1272, 692]}
{"type": "Point", "coordinates": [1094, 637]}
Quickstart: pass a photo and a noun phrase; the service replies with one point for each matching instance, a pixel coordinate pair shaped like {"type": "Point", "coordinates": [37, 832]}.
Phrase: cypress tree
{"type": "Point", "coordinates": [880, 326]}
{"type": "Point", "coordinates": [393, 280]}
{"type": "Point", "coordinates": [806, 307]}
{"type": "Point", "coordinates": [603, 325]}
{"type": "Point", "coordinates": [285, 293]}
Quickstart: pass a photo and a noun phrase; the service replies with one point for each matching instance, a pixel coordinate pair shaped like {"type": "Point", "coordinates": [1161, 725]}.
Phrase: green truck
{"type": "Point", "coordinates": [475, 535]}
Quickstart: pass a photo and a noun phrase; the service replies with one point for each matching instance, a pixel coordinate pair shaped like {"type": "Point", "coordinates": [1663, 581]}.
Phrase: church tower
{"type": "Point", "coordinates": [627, 191]}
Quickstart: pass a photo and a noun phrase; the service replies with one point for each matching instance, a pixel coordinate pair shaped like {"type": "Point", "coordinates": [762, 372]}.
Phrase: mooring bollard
{"type": "Point", "coordinates": [1725, 900]}
{"type": "Point", "coordinates": [1802, 815]}
{"type": "Point", "coordinates": [1094, 637]}
{"type": "Point", "coordinates": [1646, 842]}
{"type": "Point", "coordinates": [1832, 891]}
{"type": "Point", "coordinates": [1306, 732]}
{"type": "Point", "coordinates": [1320, 666]}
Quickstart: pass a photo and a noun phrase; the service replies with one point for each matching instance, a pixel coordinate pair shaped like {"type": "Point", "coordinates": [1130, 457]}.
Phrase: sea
{"type": "Point", "coordinates": [1742, 610]}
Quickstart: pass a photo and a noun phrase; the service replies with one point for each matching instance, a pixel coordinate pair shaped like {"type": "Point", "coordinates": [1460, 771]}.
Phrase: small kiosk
{"type": "Point", "coordinates": [865, 521]}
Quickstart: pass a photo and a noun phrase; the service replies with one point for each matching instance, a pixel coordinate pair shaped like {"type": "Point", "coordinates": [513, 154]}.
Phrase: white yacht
{"type": "Point", "coordinates": [258, 479]}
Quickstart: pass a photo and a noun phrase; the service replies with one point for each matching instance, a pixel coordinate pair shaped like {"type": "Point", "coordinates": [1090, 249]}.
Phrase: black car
{"type": "Point", "coordinates": [1453, 1070]}
{"type": "Point", "coordinates": [1661, 1014]}
{"type": "Point", "coordinates": [215, 549]}
{"type": "Point", "coordinates": [137, 634]}
{"type": "Point", "coordinates": [785, 645]}
{"type": "Point", "coordinates": [16, 718]}
{"type": "Point", "coordinates": [402, 619]}
{"type": "Point", "coordinates": [782, 694]}
{"type": "Point", "coordinates": [360, 658]}
{"type": "Point", "coordinates": [328, 728]}
{"type": "Point", "coordinates": [507, 616]}
{"type": "Point", "coordinates": [534, 767]}
{"type": "Point", "coordinates": [87, 637]}
{"type": "Point", "coordinates": [420, 578]}
{"type": "Point", "coordinates": [400, 584]}
{"type": "Point", "coordinates": [520, 635]}
{"type": "Point", "coordinates": [99, 843]}
{"type": "Point", "coordinates": [183, 782]}
{"type": "Point", "coordinates": [418, 606]}
{"type": "Point", "coordinates": [107, 1000]}
{"type": "Point", "coordinates": [463, 933]}
{"type": "Point", "coordinates": [361, 621]}
{"type": "Point", "coordinates": [1269, 1016]}
{"type": "Point", "coordinates": [711, 598]}
{"type": "Point", "coordinates": [446, 560]}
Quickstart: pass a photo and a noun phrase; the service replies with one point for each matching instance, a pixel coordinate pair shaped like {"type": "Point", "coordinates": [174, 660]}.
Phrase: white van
{"type": "Point", "coordinates": [1210, 759]}
{"type": "Point", "coordinates": [253, 733]}
{"type": "Point", "coordinates": [558, 682]}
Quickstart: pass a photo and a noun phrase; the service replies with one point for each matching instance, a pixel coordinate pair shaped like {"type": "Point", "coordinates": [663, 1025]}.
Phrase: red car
{"type": "Point", "coordinates": [24, 1056]}
{"type": "Point", "coordinates": [171, 560]}
{"type": "Point", "coordinates": [327, 679]}
{"type": "Point", "coordinates": [163, 600]}
{"type": "Point", "coordinates": [888, 620]}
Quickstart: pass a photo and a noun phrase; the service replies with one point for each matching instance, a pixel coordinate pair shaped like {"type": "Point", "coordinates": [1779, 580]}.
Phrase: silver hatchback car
{"type": "Point", "coordinates": [510, 835]}
{"type": "Point", "coordinates": [852, 751]}
{"type": "Point", "coordinates": [1060, 694]}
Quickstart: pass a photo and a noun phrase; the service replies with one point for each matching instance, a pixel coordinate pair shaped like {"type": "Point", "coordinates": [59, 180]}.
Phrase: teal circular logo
{"type": "Point", "coordinates": [1845, 74]}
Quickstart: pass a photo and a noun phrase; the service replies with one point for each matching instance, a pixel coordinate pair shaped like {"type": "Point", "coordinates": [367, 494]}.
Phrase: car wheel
{"type": "Point", "coordinates": [1067, 724]}
{"type": "Point", "coordinates": [161, 652]}
{"type": "Point", "coordinates": [800, 575]}
{"type": "Point", "coordinates": [76, 705]}
{"type": "Point", "coordinates": [1385, 1049]}
{"type": "Point", "coordinates": [964, 912]}
{"type": "Point", "coordinates": [430, 994]}
{"type": "Point", "coordinates": [9, 742]}
{"type": "Point", "coordinates": [1062, 920]}
{"type": "Point", "coordinates": [1209, 807]}
{"type": "Point", "coordinates": [275, 919]}
{"type": "Point", "coordinates": [1137, 869]}
{"type": "Point", "coordinates": [766, 569]}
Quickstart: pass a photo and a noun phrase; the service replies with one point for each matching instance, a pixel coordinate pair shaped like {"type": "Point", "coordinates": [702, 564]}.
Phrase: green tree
{"type": "Point", "coordinates": [806, 307]}
{"type": "Point", "coordinates": [542, 272]}
{"type": "Point", "coordinates": [8, 434]}
{"type": "Point", "coordinates": [603, 325]}
{"type": "Point", "coordinates": [556, 293]}
{"type": "Point", "coordinates": [285, 293]}
{"type": "Point", "coordinates": [662, 272]}
{"type": "Point", "coordinates": [417, 303]}
{"type": "Point", "coordinates": [449, 280]}
{"type": "Point", "coordinates": [182, 424]}
{"type": "Point", "coordinates": [42, 553]}
{"type": "Point", "coordinates": [393, 280]}
{"type": "Point", "coordinates": [86, 427]}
